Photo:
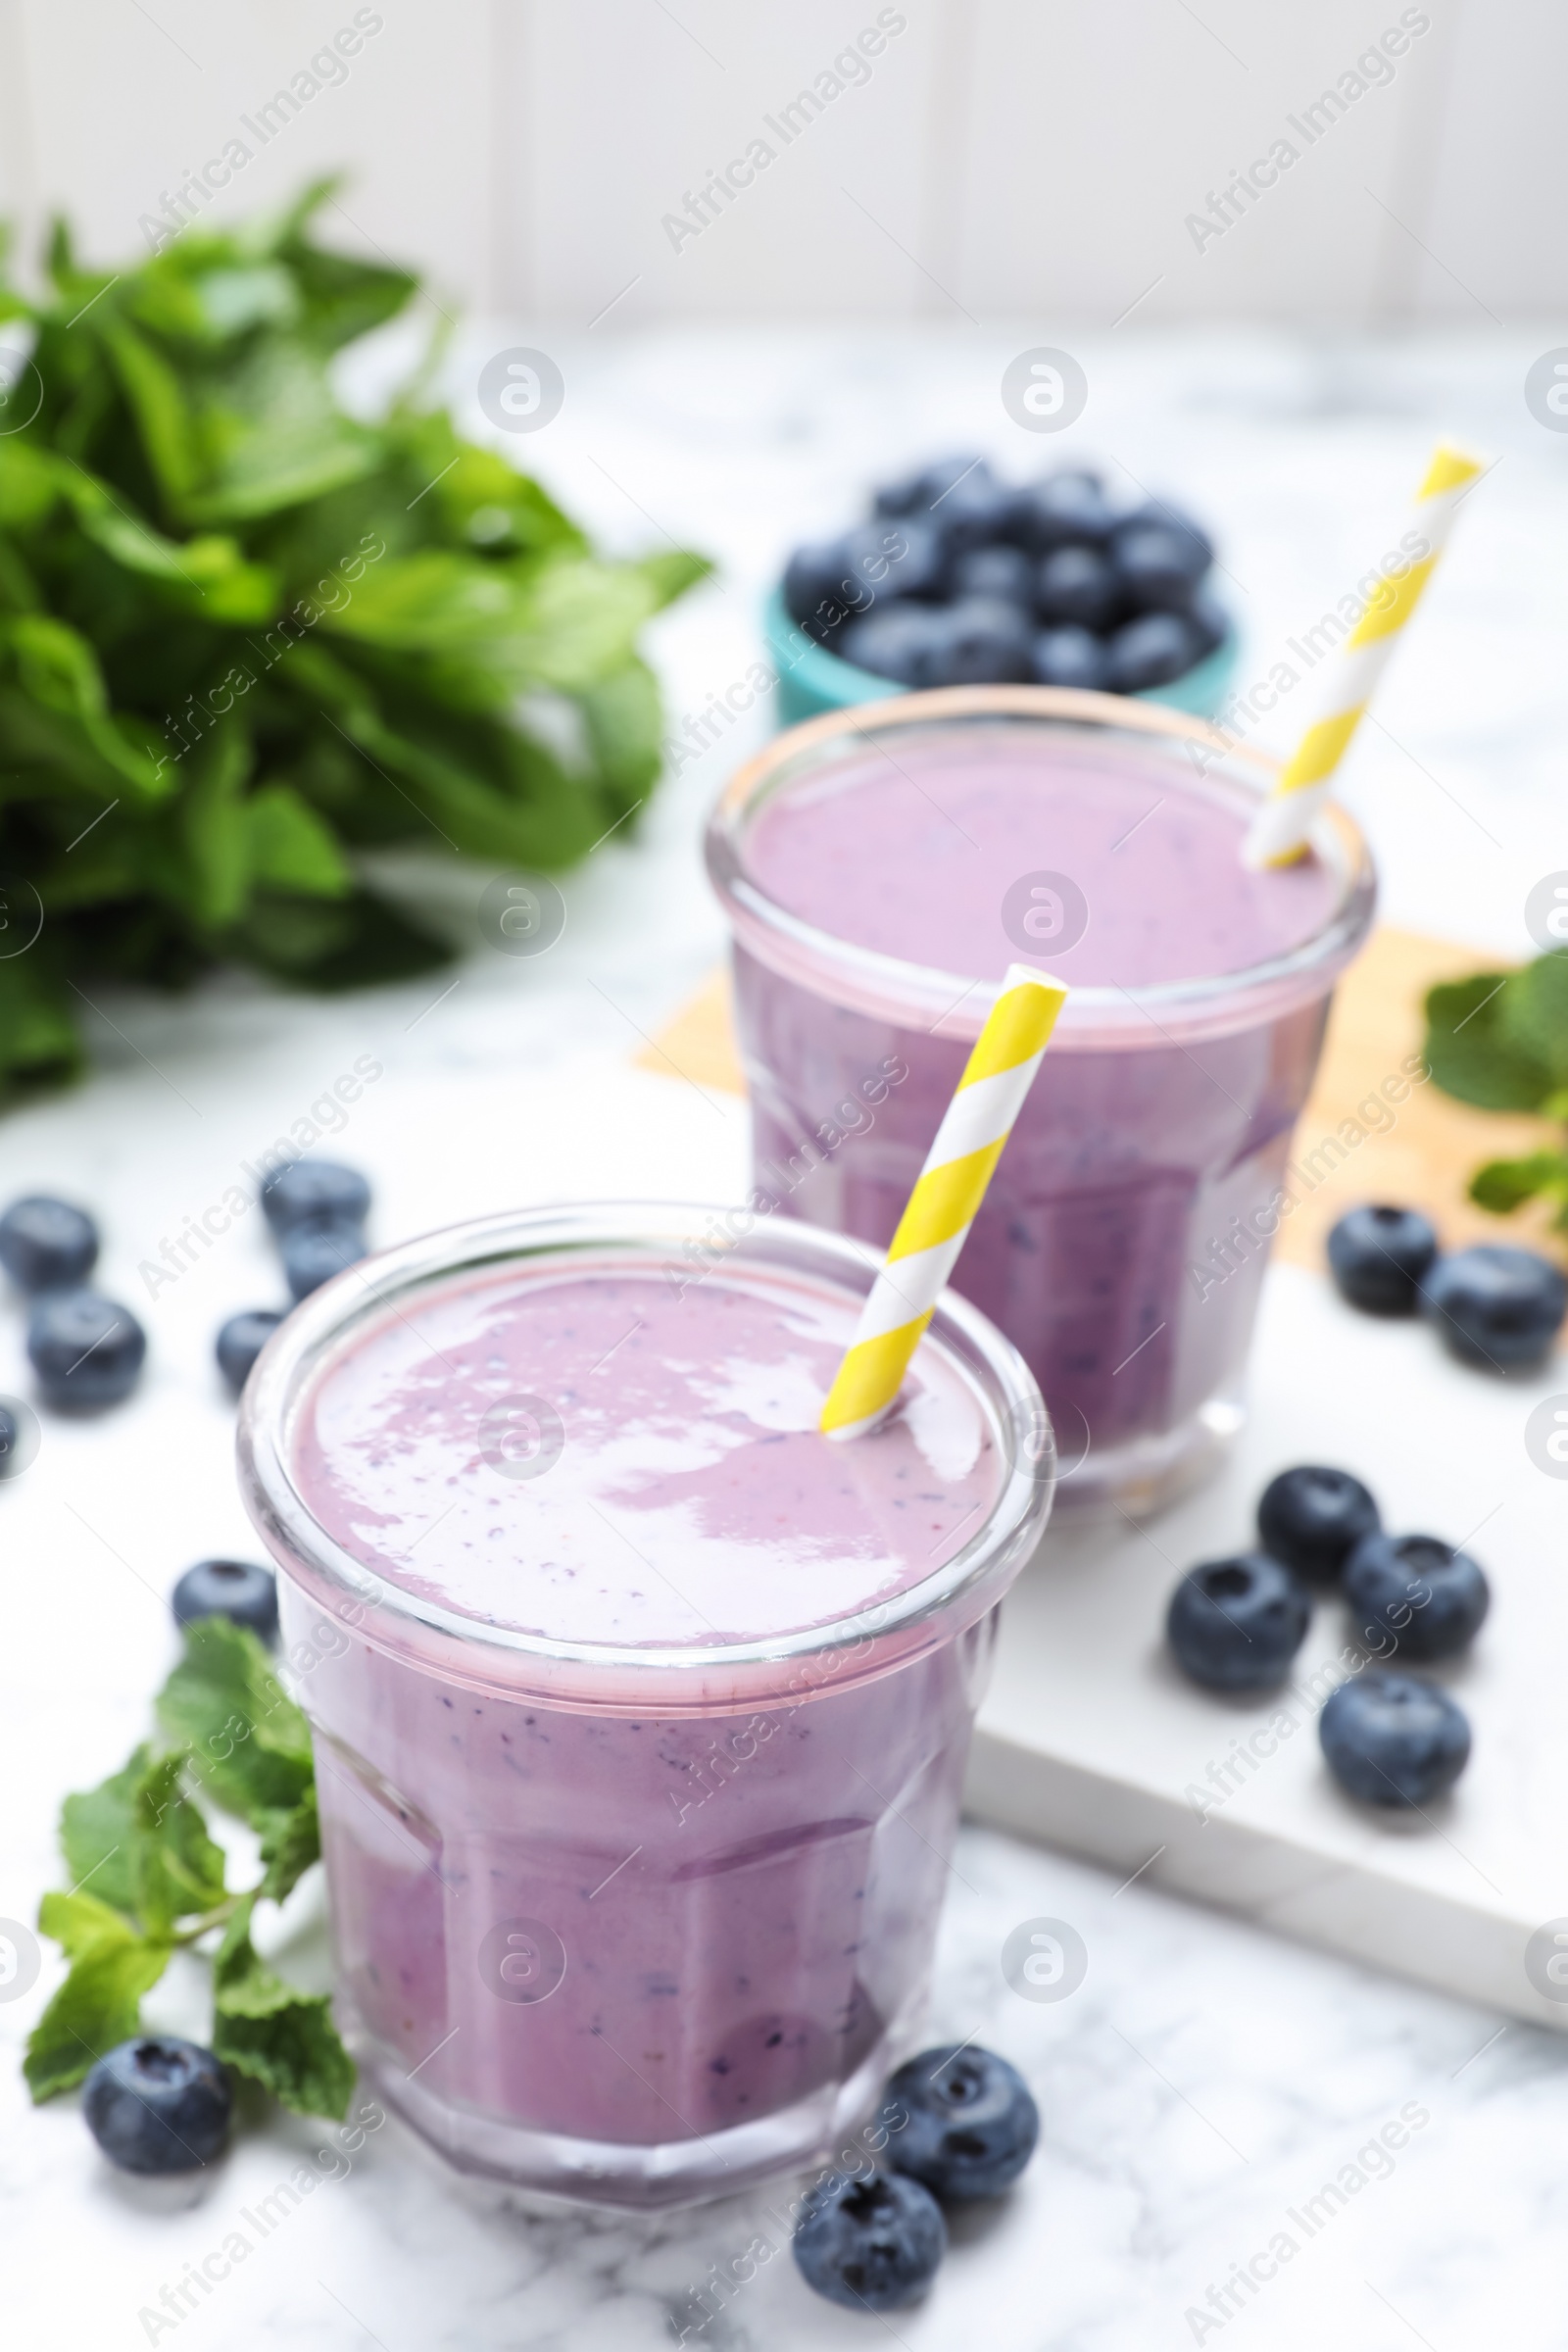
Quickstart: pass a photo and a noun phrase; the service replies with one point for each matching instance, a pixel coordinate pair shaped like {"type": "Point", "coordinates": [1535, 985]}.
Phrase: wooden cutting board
{"type": "Point", "coordinates": [1424, 1160]}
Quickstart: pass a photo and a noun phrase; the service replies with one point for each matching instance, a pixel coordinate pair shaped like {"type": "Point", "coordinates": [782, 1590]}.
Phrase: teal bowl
{"type": "Point", "coordinates": [811, 680]}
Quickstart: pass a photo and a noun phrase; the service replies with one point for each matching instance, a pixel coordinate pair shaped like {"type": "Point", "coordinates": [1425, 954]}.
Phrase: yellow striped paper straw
{"type": "Point", "coordinates": [1282, 826]}
{"type": "Point", "coordinates": [936, 1223]}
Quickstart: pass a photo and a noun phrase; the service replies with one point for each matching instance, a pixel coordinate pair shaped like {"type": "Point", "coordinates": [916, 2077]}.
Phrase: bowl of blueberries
{"type": "Point", "coordinates": [959, 578]}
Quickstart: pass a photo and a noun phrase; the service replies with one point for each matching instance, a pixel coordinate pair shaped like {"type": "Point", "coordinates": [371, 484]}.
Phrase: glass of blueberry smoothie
{"type": "Point", "coordinates": [882, 866]}
{"type": "Point", "coordinates": [640, 1708]}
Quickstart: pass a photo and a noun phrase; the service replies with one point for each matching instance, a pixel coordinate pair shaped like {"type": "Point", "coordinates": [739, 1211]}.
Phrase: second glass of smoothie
{"type": "Point", "coordinates": [640, 1709]}
{"type": "Point", "coordinates": [881, 867]}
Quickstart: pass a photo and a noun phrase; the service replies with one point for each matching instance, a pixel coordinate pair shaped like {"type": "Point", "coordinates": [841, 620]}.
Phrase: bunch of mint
{"type": "Point", "coordinates": [247, 638]}
{"type": "Point", "coordinates": [1499, 1040]}
{"type": "Point", "coordinates": [149, 1880]}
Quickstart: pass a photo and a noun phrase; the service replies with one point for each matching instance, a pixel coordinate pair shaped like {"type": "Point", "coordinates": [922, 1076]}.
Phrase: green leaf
{"type": "Point", "coordinates": [1504, 1185]}
{"type": "Point", "coordinates": [289, 847]}
{"type": "Point", "coordinates": [290, 1842]}
{"type": "Point", "coordinates": [1533, 1012]}
{"type": "Point", "coordinates": [39, 1043]}
{"type": "Point", "coordinates": [97, 1834]}
{"type": "Point", "coordinates": [281, 2038]}
{"type": "Point", "coordinates": [248, 1741]}
{"type": "Point", "coordinates": [178, 1872]}
{"type": "Point", "coordinates": [1468, 1053]}
{"type": "Point", "coordinates": [98, 2006]}
{"type": "Point", "coordinates": [80, 1923]}
{"type": "Point", "coordinates": [158, 404]}
{"type": "Point", "coordinates": [212, 826]}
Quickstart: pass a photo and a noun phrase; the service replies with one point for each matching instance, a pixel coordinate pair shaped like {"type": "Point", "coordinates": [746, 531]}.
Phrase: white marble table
{"type": "Point", "coordinates": [1207, 2079]}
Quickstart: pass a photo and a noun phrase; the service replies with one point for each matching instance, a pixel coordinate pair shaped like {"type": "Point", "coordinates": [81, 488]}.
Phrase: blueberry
{"type": "Point", "coordinates": [973, 2126]}
{"type": "Point", "coordinates": [314, 1253]}
{"type": "Point", "coordinates": [1235, 1625]}
{"type": "Point", "coordinates": [1431, 1598]}
{"type": "Point", "coordinates": [1064, 508]}
{"type": "Point", "coordinates": [1070, 657]}
{"type": "Point", "coordinates": [1005, 571]}
{"type": "Point", "coordinates": [157, 2105]}
{"type": "Point", "coordinates": [981, 642]}
{"type": "Point", "coordinates": [1076, 584]}
{"type": "Point", "coordinates": [241, 1340]}
{"type": "Point", "coordinates": [1155, 515]}
{"type": "Point", "coordinates": [916, 493]}
{"type": "Point", "coordinates": [977, 512]}
{"type": "Point", "coordinates": [1393, 1740]}
{"type": "Point", "coordinates": [874, 2244]}
{"type": "Point", "coordinates": [906, 642]}
{"type": "Point", "coordinates": [233, 1588]}
{"type": "Point", "coordinates": [1312, 1518]}
{"type": "Point", "coordinates": [814, 594]}
{"type": "Point", "coordinates": [1495, 1306]}
{"type": "Point", "coordinates": [85, 1350]}
{"type": "Point", "coordinates": [1377, 1257]}
{"type": "Point", "coordinates": [305, 1191]}
{"type": "Point", "coordinates": [1152, 651]}
{"type": "Point", "coordinates": [1159, 568]}
{"type": "Point", "coordinates": [47, 1245]}
{"type": "Point", "coordinates": [899, 559]}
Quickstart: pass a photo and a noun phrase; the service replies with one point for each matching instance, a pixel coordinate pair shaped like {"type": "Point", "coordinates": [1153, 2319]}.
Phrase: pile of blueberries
{"type": "Point", "coordinates": [316, 1211]}
{"type": "Point", "coordinates": [959, 579]}
{"type": "Point", "coordinates": [1390, 1739]}
{"type": "Point", "coordinates": [874, 2241]}
{"type": "Point", "coordinates": [1493, 1307]}
{"type": "Point", "coordinates": [86, 1351]}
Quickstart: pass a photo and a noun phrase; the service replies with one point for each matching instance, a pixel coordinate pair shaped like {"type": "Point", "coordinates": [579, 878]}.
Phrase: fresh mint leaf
{"type": "Point", "coordinates": [98, 2005]}
{"type": "Point", "coordinates": [248, 1743]}
{"type": "Point", "coordinates": [81, 1922]}
{"type": "Point", "coordinates": [1504, 1185]}
{"type": "Point", "coordinates": [1469, 1053]}
{"type": "Point", "coordinates": [97, 1834]}
{"type": "Point", "coordinates": [290, 1842]}
{"type": "Point", "coordinates": [177, 1870]}
{"type": "Point", "coordinates": [281, 2038]}
{"type": "Point", "coordinates": [1534, 1010]}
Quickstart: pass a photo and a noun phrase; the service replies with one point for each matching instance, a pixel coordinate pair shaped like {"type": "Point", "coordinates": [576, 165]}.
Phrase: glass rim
{"type": "Point", "coordinates": [954, 1004]}
{"type": "Point", "coordinates": [649, 1232]}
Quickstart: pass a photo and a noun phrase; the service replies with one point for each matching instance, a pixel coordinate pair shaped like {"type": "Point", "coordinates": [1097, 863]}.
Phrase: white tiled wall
{"type": "Point", "coordinates": [989, 158]}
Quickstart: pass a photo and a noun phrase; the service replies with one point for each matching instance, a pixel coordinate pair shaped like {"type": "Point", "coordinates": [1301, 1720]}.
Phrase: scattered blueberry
{"type": "Point", "coordinates": [241, 1340]}
{"type": "Point", "coordinates": [916, 493]}
{"type": "Point", "coordinates": [1005, 571]}
{"type": "Point", "coordinates": [47, 1245]}
{"type": "Point", "coordinates": [901, 641]}
{"type": "Point", "coordinates": [85, 1350]}
{"type": "Point", "coordinates": [982, 642]}
{"type": "Point", "coordinates": [233, 1588]}
{"type": "Point", "coordinates": [1159, 568]}
{"type": "Point", "coordinates": [1150, 651]}
{"type": "Point", "coordinates": [973, 2126]}
{"type": "Point", "coordinates": [1070, 657]}
{"type": "Point", "coordinates": [872, 2245]}
{"type": "Point", "coordinates": [1077, 585]}
{"type": "Point", "coordinates": [1378, 1255]}
{"type": "Point", "coordinates": [155, 2104]}
{"type": "Point", "coordinates": [313, 1253]}
{"type": "Point", "coordinates": [306, 1191]}
{"type": "Point", "coordinates": [1066, 509]}
{"type": "Point", "coordinates": [1495, 1306]}
{"type": "Point", "coordinates": [1235, 1625]}
{"type": "Point", "coordinates": [1429, 1596]}
{"type": "Point", "coordinates": [1312, 1518]}
{"type": "Point", "coordinates": [1393, 1740]}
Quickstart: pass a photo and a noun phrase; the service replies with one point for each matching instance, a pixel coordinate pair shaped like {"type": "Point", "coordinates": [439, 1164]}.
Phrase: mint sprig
{"type": "Point", "coordinates": [1499, 1040]}
{"type": "Point", "coordinates": [149, 1880]}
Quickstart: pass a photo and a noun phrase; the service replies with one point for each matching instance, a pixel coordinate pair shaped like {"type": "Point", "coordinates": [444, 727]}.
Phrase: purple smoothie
{"type": "Point", "coordinates": [880, 884]}
{"type": "Point", "coordinates": [585, 1942]}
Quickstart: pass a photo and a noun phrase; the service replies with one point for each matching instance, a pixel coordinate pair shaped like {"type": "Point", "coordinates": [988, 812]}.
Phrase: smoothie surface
{"type": "Point", "coordinates": [692, 1498]}
{"type": "Point", "coordinates": [912, 849]}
